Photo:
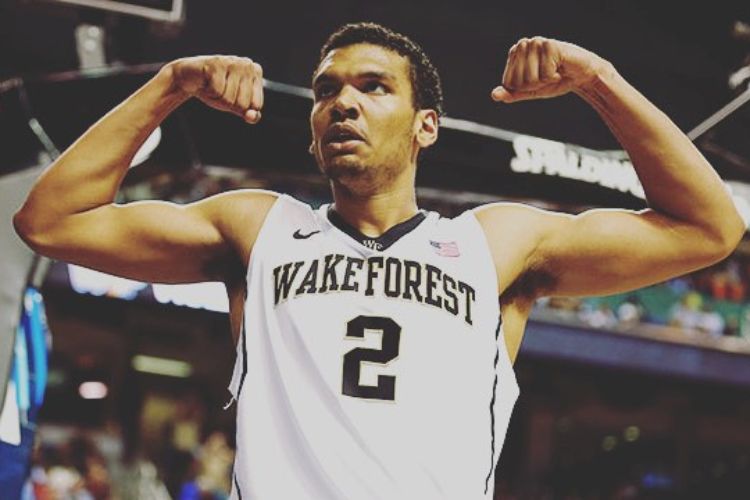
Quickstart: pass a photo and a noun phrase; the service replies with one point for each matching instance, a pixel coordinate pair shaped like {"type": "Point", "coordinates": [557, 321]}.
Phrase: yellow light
{"type": "Point", "coordinates": [162, 366]}
{"type": "Point", "coordinates": [632, 433]}
{"type": "Point", "coordinates": [609, 443]}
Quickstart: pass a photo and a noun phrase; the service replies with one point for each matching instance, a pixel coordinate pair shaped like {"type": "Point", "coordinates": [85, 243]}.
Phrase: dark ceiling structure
{"type": "Point", "coordinates": [679, 54]}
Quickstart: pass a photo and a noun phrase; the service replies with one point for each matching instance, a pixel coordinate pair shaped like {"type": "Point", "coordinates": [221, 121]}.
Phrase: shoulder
{"type": "Point", "coordinates": [240, 206]}
{"type": "Point", "coordinates": [514, 231]}
{"type": "Point", "coordinates": [504, 212]}
{"type": "Point", "coordinates": [255, 203]}
{"type": "Point", "coordinates": [521, 222]}
{"type": "Point", "coordinates": [243, 199]}
{"type": "Point", "coordinates": [239, 216]}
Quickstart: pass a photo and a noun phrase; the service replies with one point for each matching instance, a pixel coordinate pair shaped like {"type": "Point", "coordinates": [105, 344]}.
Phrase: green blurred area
{"type": "Point", "coordinates": [659, 303]}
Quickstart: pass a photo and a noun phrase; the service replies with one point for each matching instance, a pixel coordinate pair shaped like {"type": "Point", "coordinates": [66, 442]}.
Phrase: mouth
{"type": "Point", "coordinates": [343, 147]}
{"type": "Point", "coordinates": [342, 138]}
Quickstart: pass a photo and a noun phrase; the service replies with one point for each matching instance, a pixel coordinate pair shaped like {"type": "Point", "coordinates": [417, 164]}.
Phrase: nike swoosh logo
{"type": "Point", "coordinates": [299, 236]}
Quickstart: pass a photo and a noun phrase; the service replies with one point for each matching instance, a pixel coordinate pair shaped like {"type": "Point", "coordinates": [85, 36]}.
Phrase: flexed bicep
{"type": "Point", "coordinates": [606, 251]}
{"type": "Point", "coordinates": [159, 241]}
{"type": "Point", "coordinates": [598, 252]}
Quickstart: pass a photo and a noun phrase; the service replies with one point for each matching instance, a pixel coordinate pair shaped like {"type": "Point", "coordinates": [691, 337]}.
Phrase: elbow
{"type": "Point", "coordinates": [23, 226]}
{"type": "Point", "coordinates": [28, 230]}
{"type": "Point", "coordinates": [736, 226]}
{"type": "Point", "coordinates": [727, 237]}
{"type": "Point", "coordinates": [733, 226]}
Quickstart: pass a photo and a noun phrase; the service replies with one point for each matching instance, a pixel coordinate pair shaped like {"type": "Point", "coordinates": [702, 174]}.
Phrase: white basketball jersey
{"type": "Point", "coordinates": [372, 369]}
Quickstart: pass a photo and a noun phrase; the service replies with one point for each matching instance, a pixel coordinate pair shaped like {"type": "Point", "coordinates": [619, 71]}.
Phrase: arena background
{"type": "Point", "coordinates": [643, 395]}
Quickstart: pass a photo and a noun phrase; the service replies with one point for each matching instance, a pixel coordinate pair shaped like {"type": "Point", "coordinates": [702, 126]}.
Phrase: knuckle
{"type": "Point", "coordinates": [211, 69]}
{"type": "Point", "coordinates": [247, 68]}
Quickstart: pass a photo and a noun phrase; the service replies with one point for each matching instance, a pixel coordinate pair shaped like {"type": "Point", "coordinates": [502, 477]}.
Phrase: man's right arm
{"type": "Point", "coordinates": [70, 213]}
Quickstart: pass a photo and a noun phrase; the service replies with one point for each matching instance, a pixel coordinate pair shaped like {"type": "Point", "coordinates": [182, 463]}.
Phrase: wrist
{"type": "Point", "coordinates": [172, 89]}
{"type": "Point", "coordinates": [600, 83]}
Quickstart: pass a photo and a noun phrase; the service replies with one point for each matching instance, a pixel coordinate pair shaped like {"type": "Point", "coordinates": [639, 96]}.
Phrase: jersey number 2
{"type": "Point", "coordinates": [386, 388]}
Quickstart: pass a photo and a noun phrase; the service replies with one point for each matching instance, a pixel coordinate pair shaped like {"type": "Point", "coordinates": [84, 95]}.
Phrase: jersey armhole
{"type": "Point", "coordinates": [501, 345]}
{"type": "Point", "coordinates": [485, 244]}
{"type": "Point", "coordinates": [240, 363]}
{"type": "Point", "coordinates": [264, 228]}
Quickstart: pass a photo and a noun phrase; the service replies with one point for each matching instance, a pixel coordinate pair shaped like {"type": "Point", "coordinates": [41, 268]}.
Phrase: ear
{"type": "Point", "coordinates": [311, 149]}
{"type": "Point", "coordinates": [426, 127]}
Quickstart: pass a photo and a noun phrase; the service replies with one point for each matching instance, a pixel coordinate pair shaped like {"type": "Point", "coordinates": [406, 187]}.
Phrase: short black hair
{"type": "Point", "coordinates": [425, 81]}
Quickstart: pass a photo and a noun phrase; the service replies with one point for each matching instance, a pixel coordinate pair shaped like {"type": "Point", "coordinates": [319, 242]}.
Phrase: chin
{"type": "Point", "coordinates": [343, 166]}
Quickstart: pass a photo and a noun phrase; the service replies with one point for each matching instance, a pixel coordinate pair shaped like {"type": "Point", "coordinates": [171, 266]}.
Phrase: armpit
{"type": "Point", "coordinates": [533, 283]}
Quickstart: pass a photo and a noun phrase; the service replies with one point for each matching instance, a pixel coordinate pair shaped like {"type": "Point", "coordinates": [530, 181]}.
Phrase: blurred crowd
{"type": "Point", "coordinates": [77, 468]}
{"type": "Point", "coordinates": [712, 302]}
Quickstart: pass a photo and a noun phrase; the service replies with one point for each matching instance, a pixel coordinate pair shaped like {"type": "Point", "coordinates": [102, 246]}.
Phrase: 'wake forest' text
{"type": "Point", "coordinates": [391, 277]}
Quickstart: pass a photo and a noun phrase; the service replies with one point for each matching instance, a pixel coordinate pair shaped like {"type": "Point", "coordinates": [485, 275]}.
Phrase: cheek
{"type": "Point", "coordinates": [397, 123]}
{"type": "Point", "coordinates": [402, 130]}
{"type": "Point", "coordinates": [397, 140]}
{"type": "Point", "coordinates": [316, 122]}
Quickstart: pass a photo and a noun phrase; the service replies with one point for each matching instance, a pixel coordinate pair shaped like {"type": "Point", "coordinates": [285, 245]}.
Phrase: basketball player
{"type": "Point", "coordinates": [373, 359]}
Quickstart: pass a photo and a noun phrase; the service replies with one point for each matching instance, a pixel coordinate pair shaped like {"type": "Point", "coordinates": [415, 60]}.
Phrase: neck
{"type": "Point", "coordinates": [374, 214]}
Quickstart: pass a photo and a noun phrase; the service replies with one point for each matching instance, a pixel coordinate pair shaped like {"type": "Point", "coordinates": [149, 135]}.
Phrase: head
{"type": "Point", "coordinates": [377, 102]}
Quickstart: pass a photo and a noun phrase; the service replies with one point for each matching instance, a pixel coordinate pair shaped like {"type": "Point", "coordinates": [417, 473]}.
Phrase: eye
{"type": "Point", "coordinates": [375, 87]}
{"type": "Point", "coordinates": [324, 90]}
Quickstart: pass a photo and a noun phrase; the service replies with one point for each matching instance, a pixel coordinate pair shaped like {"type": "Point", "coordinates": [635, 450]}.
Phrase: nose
{"type": "Point", "coordinates": [345, 106]}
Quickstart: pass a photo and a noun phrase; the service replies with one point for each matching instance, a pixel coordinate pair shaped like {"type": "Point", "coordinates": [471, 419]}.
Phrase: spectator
{"type": "Point", "coordinates": [214, 470]}
{"type": "Point", "coordinates": [710, 321]}
{"type": "Point", "coordinates": [630, 312]}
{"type": "Point", "coordinates": [687, 313]}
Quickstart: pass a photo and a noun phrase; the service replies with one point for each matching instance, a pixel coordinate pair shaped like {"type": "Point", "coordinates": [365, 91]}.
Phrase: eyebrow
{"type": "Point", "coordinates": [367, 75]}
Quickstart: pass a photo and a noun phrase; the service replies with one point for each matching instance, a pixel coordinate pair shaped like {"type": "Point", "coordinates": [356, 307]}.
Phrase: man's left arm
{"type": "Point", "coordinates": [691, 221]}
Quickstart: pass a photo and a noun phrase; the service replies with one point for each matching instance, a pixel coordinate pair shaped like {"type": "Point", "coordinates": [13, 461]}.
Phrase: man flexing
{"type": "Point", "coordinates": [310, 423]}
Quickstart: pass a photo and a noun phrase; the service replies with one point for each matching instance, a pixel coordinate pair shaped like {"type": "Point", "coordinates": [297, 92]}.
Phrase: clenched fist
{"type": "Point", "coordinates": [541, 67]}
{"type": "Point", "coordinates": [227, 83]}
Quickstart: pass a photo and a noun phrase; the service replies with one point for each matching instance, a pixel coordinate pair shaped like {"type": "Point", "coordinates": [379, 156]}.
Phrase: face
{"type": "Point", "coordinates": [364, 126]}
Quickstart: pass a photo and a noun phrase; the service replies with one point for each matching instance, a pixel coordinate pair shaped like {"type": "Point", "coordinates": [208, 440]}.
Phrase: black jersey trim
{"type": "Point", "coordinates": [237, 487]}
{"type": "Point", "coordinates": [492, 406]}
{"type": "Point", "coordinates": [383, 241]}
{"type": "Point", "coordinates": [243, 339]}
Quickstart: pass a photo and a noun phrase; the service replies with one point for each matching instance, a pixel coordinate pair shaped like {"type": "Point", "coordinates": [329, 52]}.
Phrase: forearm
{"type": "Point", "coordinates": [88, 174]}
{"type": "Point", "coordinates": [677, 179]}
